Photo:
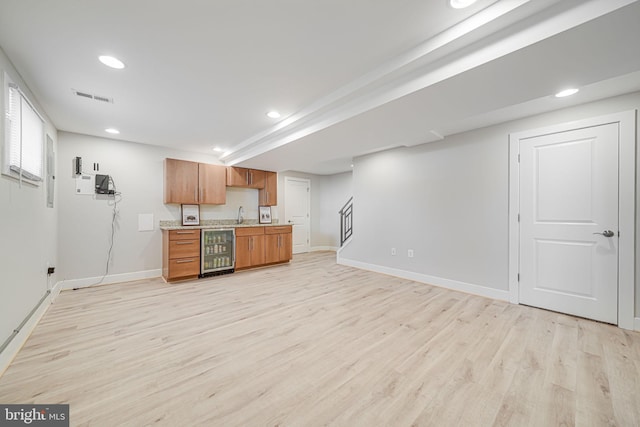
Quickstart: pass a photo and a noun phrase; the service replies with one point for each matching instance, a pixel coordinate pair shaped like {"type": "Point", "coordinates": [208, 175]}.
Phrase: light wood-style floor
{"type": "Point", "coordinates": [314, 343]}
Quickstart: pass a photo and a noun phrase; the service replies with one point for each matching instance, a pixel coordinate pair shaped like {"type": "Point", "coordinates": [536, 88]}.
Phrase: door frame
{"type": "Point", "coordinates": [308, 182]}
{"type": "Point", "coordinates": [626, 121]}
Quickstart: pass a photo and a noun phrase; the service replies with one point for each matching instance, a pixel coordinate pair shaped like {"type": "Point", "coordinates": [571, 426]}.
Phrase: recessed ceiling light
{"type": "Point", "coordinates": [273, 114]}
{"type": "Point", "coordinates": [566, 92]}
{"type": "Point", "coordinates": [461, 4]}
{"type": "Point", "coordinates": [112, 62]}
{"type": "Point", "coordinates": [112, 131]}
{"type": "Point", "coordinates": [218, 150]}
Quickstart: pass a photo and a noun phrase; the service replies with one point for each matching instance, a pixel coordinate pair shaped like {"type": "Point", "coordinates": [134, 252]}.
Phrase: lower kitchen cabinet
{"type": "Point", "coordinates": [180, 254]}
{"type": "Point", "coordinates": [250, 247]}
{"type": "Point", "coordinates": [278, 244]}
{"type": "Point", "coordinates": [256, 246]}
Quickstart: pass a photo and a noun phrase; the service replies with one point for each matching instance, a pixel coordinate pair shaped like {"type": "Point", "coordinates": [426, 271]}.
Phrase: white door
{"type": "Point", "coordinates": [569, 222]}
{"type": "Point", "coordinates": [296, 211]}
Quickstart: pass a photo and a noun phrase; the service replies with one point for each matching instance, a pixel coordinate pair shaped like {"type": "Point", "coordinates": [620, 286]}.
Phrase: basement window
{"type": "Point", "coordinates": [24, 136]}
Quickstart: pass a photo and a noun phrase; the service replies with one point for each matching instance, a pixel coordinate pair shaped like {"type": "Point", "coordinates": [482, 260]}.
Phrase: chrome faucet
{"type": "Point", "coordinates": [240, 219]}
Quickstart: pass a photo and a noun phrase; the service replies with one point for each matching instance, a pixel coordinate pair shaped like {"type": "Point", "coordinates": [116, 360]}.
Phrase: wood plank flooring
{"type": "Point", "coordinates": [313, 343]}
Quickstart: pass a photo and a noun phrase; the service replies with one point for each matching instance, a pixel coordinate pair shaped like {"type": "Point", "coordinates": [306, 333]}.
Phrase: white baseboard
{"type": "Point", "coordinates": [10, 352]}
{"type": "Point", "coordinates": [430, 280]}
{"type": "Point", "coordinates": [636, 325]}
{"type": "Point", "coordinates": [323, 248]}
{"type": "Point", "coordinates": [112, 278]}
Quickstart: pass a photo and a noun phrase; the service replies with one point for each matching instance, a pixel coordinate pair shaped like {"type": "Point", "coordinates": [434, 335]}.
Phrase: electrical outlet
{"type": "Point", "coordinates": [393, 251]}
{"type": "Point", "coordinates": [410, 253]}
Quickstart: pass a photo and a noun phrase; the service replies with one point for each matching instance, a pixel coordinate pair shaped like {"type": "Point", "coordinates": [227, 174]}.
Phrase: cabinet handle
{"type": "Point", "coordinates": [195, 195]}
{"type": "Point", "coordinates": [184, 243]}
{"type": "Point", "coordinates": [184, 232]}
{"type": "Point", "coordinates": [201, 194]}
{"type": "Point", "coordinates": [250, 178]}
{"type": "Point", "coordinates": [183, 261]}
{"type": "Point", "coordinates": [250, 243]}
{"type": "Point", "coordinates": [279, 237]}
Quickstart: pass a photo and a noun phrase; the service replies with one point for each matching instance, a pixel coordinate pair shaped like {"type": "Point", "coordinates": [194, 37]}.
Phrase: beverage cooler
{"type": "Point", "coordinates": [218, 252]}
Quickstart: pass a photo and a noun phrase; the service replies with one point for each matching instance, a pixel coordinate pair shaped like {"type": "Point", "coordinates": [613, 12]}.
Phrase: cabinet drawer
{"type": "Point", "coordinates": [249, 231]}
{"type": "Point", "coordinates": [184, 267]}
{"type": "Point", "coordinates": [280, 229]}
{"type": "Point", "coordinates": [184, 248]}
{"type": "Point", "coordinates": [184, 234]}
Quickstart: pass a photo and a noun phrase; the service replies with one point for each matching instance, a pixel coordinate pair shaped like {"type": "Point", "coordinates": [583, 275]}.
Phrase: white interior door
{"type": "Point", "coordinates": [569, 222]}
{"type": "Point", "coordinates": [297, 196]}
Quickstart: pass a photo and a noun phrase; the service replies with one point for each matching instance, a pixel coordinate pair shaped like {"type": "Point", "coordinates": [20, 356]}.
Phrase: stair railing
{"type": "Point", "coordinates": [346, 221]}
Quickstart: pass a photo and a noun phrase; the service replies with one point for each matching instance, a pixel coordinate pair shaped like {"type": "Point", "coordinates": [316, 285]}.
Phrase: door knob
{"type": "Point", "coordinates": [607, 233]}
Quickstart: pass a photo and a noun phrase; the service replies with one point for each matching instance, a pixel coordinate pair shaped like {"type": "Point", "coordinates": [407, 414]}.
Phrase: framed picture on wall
{"type": "Point", "coordinates": [190, 214]}
{"type": "Point", "coordinates": [265, 214]}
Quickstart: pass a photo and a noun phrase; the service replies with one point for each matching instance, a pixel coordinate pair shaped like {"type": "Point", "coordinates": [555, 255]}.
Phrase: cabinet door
{"type": "Point", "coordinates": [268, 196]}
{"type": "Point", "coordinates": [180, 181]}
{"type": "Point", "coordinates": [258, 253]}
{"type": "Point", "coordinates": [272, 248]}
{"type": "Point", "coordinates": [212, 182]}
{"type": "Point", "coordinates": [237, 177]}
{"type": "Point", "coordinates": [286, 247]}
{"type": "Point", "coordinates": [256, 179]}
{"type": "Point", "coordinates": [243, 254]}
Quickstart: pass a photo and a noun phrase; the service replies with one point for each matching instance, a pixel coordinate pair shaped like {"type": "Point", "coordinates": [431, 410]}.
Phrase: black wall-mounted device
{"type": "Point", "coordinates": [77, 165]}
{"type": "Point", "coordinates": [102, 184]}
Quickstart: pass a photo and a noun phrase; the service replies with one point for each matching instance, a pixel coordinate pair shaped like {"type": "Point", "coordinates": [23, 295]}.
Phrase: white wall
{"type": "Point", "coordinates": [328, 194]}
{"type": "Point", "coordinates": [335, 190]}
{"type": "Point", "coordinates": [28, 230]}
{"type": "Point", "coordinates": [448, 201]}
{"type": "Point", "coordinates": [85, 220]}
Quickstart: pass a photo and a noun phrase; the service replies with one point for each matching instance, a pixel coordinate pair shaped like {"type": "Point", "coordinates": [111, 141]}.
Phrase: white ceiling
{"type": "Point", "coordinates": [350, 77]}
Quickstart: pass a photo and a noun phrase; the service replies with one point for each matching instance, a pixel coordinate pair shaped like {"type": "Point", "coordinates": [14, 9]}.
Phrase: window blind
{"type": "Point", "coordinates": [25, 137]}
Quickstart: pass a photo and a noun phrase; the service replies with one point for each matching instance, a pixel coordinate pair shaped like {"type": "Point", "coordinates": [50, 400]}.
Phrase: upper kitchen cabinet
{"type": "Point", "coordinates": [248, 178]}
{"type": "Point", "coordinates": [268, 196]}
{"type": "Point", "coordinates": [180, 181]}
{"type": "Point", "coordinates": [213, 184]}
{"type": "Point", "coordinates": [194, 183]}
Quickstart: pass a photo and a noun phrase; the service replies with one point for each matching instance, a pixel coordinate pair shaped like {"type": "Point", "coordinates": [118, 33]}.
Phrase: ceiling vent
{"type": "Point", "coordinates": [92, 96]}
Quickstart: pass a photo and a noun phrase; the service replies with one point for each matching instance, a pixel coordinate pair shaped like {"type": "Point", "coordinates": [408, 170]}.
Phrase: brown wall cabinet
{"type": "Point", "coordinates": [268, 196]}
{"type": "Point", "coordinates": [180, 254]}
{"type": "Point", "coordinates": [194, 183]}
{"type": "Point", "coordinates": [248, 178]}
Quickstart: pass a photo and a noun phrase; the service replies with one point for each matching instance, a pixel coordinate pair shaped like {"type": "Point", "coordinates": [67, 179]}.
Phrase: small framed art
{"type": "Point", "coordinates": [265, 215]}
{"type": "Point", "coordinates": [190, 214]}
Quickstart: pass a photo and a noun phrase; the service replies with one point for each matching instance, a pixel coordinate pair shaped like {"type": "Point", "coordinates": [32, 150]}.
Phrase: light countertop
{"type": "Point", "coordinates": [215, 224]}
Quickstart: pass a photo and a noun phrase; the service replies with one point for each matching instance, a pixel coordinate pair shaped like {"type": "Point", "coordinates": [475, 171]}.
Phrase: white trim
{"type": "Point", "coordinates": [110, 279]}
{"type": "Point", "coordinates": [454, 285]}
{"type": "Point", "coordinates": [344, 245]}
{"type": "Point", "coordinates": [637, 324]}
{"type": "Point", "coordinates": [323, 248]}
{"type": "Point", "coordinates": [626, 205]}
{"type": "Point", "coordinates": [12, 350]}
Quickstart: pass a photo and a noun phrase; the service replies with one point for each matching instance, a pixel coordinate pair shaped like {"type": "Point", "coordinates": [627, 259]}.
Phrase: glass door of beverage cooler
{"type": "Point", "coordinates": [218, 252]}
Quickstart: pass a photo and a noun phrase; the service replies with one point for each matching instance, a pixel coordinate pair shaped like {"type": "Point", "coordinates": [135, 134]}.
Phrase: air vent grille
{"type": "Point", "coordinates": [92, 96]}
